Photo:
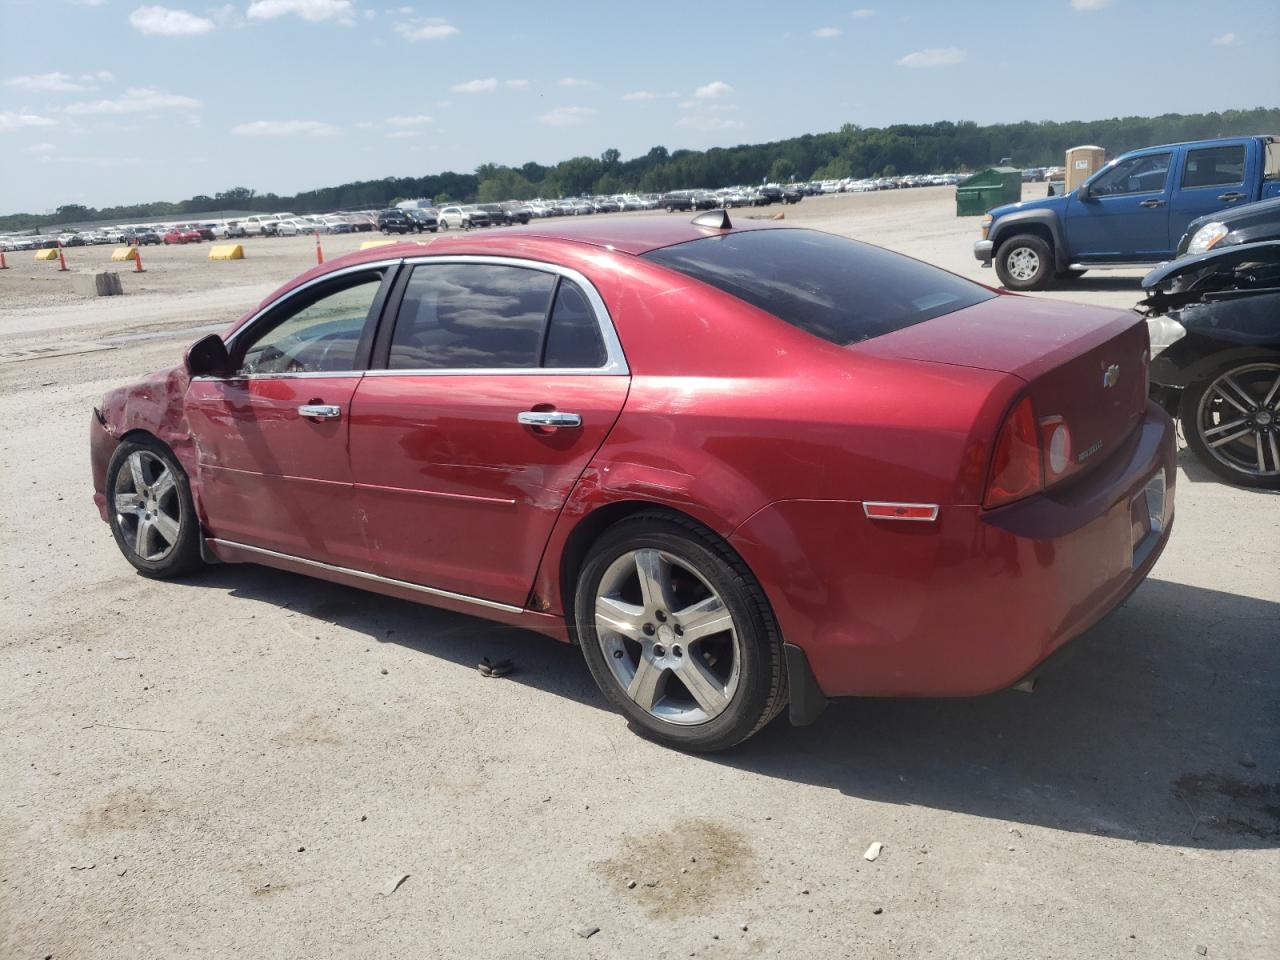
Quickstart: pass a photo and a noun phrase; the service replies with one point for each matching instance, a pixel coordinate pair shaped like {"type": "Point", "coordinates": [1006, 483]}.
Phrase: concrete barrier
{"type": "Point", "coordinates": [49, 254]}
{"type": "Point", "coordinates": [226, 251]}
{"type": "Point", "coordinates": [120, 254]}
{"type": "Point", "coordinates": [97, 284]}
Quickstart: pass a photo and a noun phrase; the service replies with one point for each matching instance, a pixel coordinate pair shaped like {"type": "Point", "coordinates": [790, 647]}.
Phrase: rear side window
{"type": "Point", "coordinates": [573, 337]}
{"type": "Point", "coordinates": [834, 288]}
{"type": "Point", "coordinates": [471, 316]}
{"type": "Point", "coordinates": [1215, 167]}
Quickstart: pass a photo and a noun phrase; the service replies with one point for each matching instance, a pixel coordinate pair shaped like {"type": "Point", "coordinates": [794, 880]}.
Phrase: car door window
{"type": "Point", "coordinates": [1145, 174]}
{"type": "Point", "coordinates": [320, 333]}
{"type": "Point", "coordinates": [573, 335]}
{"type": "Point", "coordinates": [1215, 167]}
{"type": "Point", "coordinates": [471, 316]}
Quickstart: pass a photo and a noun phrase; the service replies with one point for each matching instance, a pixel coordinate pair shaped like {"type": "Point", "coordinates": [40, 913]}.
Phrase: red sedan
{"type": "Point", "coordinates": [182, 235]}
{"type": "Point", "coordinates": [740, 467]}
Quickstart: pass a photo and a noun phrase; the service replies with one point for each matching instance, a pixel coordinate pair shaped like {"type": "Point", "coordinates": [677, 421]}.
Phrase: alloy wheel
{"type": "Point", "coordinates": [1023, 263]}
{"type": "Point", "coordinates": [668, 637]}
{"type": "Point", "coordinates": [148, 508]}
{"type": "Point", "coordinates": [1238, 419]}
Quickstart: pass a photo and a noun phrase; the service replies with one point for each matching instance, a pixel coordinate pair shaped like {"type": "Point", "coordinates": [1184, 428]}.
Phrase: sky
{"type": "Point", "coordinates": [106, 102]}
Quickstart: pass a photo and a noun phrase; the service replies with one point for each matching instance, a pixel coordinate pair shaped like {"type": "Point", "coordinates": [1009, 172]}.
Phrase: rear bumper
{"type": "Point", "coordinates": [984, 251]}
{"type": "Point", "coordinates": [968, 604]}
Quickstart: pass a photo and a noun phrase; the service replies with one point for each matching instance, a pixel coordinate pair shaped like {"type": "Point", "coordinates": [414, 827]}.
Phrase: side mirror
{"type": "Point", "coordinates": [1083, 193]}
{"type": "Point", "coordinates": [208, 357]}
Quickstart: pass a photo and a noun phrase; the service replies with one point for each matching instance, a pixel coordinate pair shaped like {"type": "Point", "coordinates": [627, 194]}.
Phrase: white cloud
{"type": "Point", "coordinates": [515, 84]}
{"type": "Point", "coordinates": [414, 121]}
{"type": "Point", "coordinates": [136, 100]}
{"type": "Point", "coordinates": [712, 90]}
{"type": "Point", "coordinates": [18, 120]}
{"type": "Point", "coordinates": [640, 95]}
{"type": "Point", "coordinates": [40, 148]}
{"type": "Point", "coordinates": [1226, 40]}
{"type": "Point", "coordinates": [284, 128]}
{"type": "Point", "coordinates": [488, 85]}
{"type": "Point", "coordinates": [704, 122]}
{"type": "Point", "coordinates": [826, 33]}
{"type": "Point", "coordinates": [46, 83]}
{"type": "Point", "coordinates": [424, 28]}
{"type": "Point", "coordinates": [1089, 4]}
{"type": "Point", "coordinates": [567, 116]}
{"type": "Point", "coordinates": [935, 57]}
{"type": "Point", "coordinates": [404, 134]}
{"type": "Point", "coordinates": [575, 82]}
{"type": "Point", "coordinates": [163, 22]}
{"type": "Point", "coordinates": [862, 14]}
{"type": "Point", "coordinates": [313, 11]}
{"type": "Point", "coordinates": [95, 161]}
{"type": "Point", "coordinates": [87, 3]}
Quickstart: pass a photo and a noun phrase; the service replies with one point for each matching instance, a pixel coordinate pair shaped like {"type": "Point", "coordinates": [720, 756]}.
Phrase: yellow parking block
{"type": "Point", "coordinates": [370, 244]}
{"type": "Point", "coordinates": [124, 253]}
{"type": "Point", "coordinates": [226, 251]}
{"type": "Point", "coordinates": [50, 254]}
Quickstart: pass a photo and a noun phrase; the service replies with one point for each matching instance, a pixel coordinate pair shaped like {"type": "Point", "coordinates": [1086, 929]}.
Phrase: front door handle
{"type": "Point", "coordinates": [320, 411]}
{"type": "Point", "coordinates": [1151, 203]}
{"type": "Point", "coordinates": [548, 418]}
{"type": "Point", "coordinates": [1231, 197]}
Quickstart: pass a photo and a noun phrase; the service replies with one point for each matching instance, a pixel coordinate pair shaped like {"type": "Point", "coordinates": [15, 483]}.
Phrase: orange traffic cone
{"type": "Point", "coordinates": [319, 252]}
{"type": "Point", "coordinates": [3, 265]}
{"type": "Point", "coordinates": [62, 261]}
{"type": "Point", "coordinates": [137, 259]}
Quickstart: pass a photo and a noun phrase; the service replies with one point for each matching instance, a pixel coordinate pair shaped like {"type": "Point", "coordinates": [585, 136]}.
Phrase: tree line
{"type": "Point", "coordinates": [851, 151]}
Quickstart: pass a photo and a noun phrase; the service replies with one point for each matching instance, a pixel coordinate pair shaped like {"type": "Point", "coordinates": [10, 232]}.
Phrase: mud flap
{"type": "Point", "coordinates": [807, 699]}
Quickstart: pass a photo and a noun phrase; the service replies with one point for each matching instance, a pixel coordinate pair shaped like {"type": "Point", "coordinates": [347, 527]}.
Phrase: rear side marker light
{"type": "Point", "coordinates": [882, 510]}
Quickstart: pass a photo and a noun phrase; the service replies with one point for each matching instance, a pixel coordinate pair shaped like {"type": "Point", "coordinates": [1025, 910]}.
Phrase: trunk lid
{"type": "Point", "coordinates": [1084, 366]}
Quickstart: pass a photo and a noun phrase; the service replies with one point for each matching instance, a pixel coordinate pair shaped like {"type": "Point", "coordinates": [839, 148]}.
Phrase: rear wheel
{"type": "Point", "coordinates": [1231, 420]}
{"type": "Point", "coordinates": [1024, 262]}
{"type": "Point", "coordinates": [678, 634]}
{"type": "Point", "coordinates": [151, 511]}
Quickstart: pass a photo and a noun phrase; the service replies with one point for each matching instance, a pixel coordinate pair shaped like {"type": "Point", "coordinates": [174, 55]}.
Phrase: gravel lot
{"type": "Point", "coordinates": [246, 763]}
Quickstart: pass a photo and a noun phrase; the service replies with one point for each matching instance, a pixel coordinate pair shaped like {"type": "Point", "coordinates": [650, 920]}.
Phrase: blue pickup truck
{"type": "Point", "coordinates": [1131, 213]}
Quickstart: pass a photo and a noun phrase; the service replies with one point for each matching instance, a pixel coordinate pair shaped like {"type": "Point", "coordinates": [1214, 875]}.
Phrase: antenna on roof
{"type": "Point", "coordinates": [715, 219]}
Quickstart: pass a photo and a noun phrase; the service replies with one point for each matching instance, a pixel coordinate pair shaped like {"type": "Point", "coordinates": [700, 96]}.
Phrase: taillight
{"type": "Point", "coordinates": [1055, 441]}
{"type": "Point", "coordinates": [1017, 470]}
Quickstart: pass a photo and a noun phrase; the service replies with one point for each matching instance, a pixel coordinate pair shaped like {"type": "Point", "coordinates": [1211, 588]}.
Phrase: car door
{"type": "Point", "coordinates": [1211, 178]}
{"type": "Point", "coordinates": [500, 379]}
{"type": "Point", "coordinates": [1125, 214]}
{"type": "Point", "coordinates": [271, 438]}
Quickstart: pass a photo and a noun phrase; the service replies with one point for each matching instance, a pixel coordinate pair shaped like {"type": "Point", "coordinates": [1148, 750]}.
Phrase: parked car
{"type": "Point", "coordinates": [708, 577]}
{"type": "Point", "coordinates": [141, 236]}
{"type": "Point", "coordinates": [396, 221]}
{"type": "Point", "coordinates": [498, 215]}
{"type": "Point", "coordinates": [1246, 224]}
{"type": "Point", "coordinates": [677, 200]}
{"type": "Point", "coordinates": [425, 219]}
{"type": "Point", "coordinates": [182, 235]}
{"type": "Point", "coordinates": [463, 217]}
{"type": "Point", "coordinates": [517, 212]}
{"type": "Point", "coordinates": [1214, 320]}
{"type": "Point", "coordinates": [605, 205]}
{"type": "Point", "coordinates": [230, 230]}
{"type": "Point", "coordinates": [1129, 213]}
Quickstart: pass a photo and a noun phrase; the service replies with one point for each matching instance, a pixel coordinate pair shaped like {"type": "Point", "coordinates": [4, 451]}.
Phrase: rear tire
{"type": "Point", "coordinates": [1242, 446]}
{"type": "Point", "coordinates": [696, 613]}
{"type": "Point", "coordinates": [1024, 262]}
{"type": "Point", "coordinates": [152, 515]}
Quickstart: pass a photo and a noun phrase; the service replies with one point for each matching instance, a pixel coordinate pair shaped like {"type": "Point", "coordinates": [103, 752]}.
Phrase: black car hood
{"type": "Point", "coordinates": [1226, 258]}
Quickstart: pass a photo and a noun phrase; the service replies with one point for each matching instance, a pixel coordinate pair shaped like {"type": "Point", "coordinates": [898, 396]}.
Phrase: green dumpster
{"type": "Point", "coordinates": [986, 189]}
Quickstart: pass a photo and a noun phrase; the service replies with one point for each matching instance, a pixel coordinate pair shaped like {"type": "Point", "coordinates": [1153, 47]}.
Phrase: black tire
{"type": "Point", "coordinates": [1032, 262]}
{"type": "Point", "coordinates": [183, 555]}
{"type": "Point", "coordinates": [761, 691]}
{"type": "Point", "coordinates": [1243, 371]}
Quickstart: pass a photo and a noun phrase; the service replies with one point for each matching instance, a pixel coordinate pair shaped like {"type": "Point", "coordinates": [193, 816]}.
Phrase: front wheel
{"type": "Point", "coordinates": [678, 633]}
{"type": "Point", "coordinates": [1024, 262]}
{"type": "Point", "coordinates": [1231, 420]}
{"type": "Point", "coordinates": [152, 515]}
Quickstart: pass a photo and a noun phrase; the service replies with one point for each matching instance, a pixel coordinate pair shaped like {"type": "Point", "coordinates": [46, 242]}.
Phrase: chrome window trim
{"type": "Point", "coordinates": [615, 362]}
{"type": "Point", "coordinates": [295, 375]}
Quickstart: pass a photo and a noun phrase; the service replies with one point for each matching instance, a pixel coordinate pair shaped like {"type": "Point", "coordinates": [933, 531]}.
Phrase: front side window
{"type": "Point", "coordinates": [1145, 174]}
{"type": "Point", "coordinates": [471, 316]}
{"type": "Point", "coordinates": [1215, 167]}
{"type": "Point", "coordinates": [320, 334]}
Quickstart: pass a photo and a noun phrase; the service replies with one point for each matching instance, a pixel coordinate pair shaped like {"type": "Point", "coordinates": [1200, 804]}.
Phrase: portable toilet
{"type": "Point", "coordinates": [1083, 163]}
{"type": "Point", "coordinates": [986, 189]}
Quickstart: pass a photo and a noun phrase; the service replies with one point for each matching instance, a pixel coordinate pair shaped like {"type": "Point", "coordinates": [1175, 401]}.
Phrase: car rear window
{"type": "Point", "coordinates": [834, 288]}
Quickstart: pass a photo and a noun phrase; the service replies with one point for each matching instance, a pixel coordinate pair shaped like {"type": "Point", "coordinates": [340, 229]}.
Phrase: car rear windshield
{"type": "Point", "coordinates": [834, 288]}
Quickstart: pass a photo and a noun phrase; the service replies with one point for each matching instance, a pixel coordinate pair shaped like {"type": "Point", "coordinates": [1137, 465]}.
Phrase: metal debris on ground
{"type": "Point", "coordinates": [495, 668]}
{"type": "Point", "coordinates": [586, 933]}
{"type": "Point", "coordinates": [873, 851]}
{"type": "Point", "coordinates": [395, 885]}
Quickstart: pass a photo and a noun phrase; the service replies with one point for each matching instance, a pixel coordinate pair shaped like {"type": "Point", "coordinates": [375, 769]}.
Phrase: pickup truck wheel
{"type": "Point", "coordinates": [1024, 262]}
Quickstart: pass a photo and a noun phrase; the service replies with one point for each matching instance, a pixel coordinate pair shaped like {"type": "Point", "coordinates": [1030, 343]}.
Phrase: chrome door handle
{"type": "Point", "coordinates": [320, 411]}
{"type": "Point", "coordinates": [1151, 203]}
{"type": "Point", "coordinates": [1231, 197]}
{"type": "Point", "coordinates": [548, 418]}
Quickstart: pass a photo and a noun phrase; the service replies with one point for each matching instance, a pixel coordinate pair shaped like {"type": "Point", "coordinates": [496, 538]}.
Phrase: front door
{"type": "Point", "coordinates": [271, 438]}
{"type": "Point", "coordinates": [1126, 214]}
{"type": "Point", "coordinates": [500, 382]}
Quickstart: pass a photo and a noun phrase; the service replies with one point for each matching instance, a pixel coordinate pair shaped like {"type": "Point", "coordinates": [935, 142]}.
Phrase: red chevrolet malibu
{"type": "Point", "coordinates": [740, 466]}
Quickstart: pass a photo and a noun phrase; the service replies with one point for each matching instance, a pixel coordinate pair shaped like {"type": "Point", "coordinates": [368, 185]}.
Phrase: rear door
{"type": "Point", "coordinates": [1126, 214]}
{"type": "Point", "coordinates": [1212, 178]}
{"type": "Point", "coordinates": [500, 379]}
{"type": "Point", "coordinates": [271, 439]}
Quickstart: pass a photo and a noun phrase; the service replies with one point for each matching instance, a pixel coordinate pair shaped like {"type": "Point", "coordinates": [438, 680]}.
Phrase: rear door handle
{"type": "Point", "coordinates": [320, 411]}
{"type": "Point", "coordinates": [1151, 203]}
{"type": "Point", "coordinates": [1231, 197]}
{"type": "Point", "coordinates": [548, 418]}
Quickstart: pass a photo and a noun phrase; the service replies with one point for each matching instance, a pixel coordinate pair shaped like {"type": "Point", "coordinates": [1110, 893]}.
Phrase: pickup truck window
{"type": "Point", "coordinates": [1145, 174]}
{"type": "Point", "coordinates": [1215, 167]}
{"type": "Point", "coordinates": [1272, 169]}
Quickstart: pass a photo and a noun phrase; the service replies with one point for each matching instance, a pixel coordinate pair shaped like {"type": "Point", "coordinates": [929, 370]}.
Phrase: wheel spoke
{"type": "Point", "coordinates": [702, 684]}
{"type": "Point", "coordinates": [167, 527]}
{"type": "Point", "coordinates": [1224, 426]}
{"type": "Point", "coordinates": [163, 484]}
{"type": "Point", "coordinates": [1229, 437]}
{"type": "Point", "coordinates": [1261, 452]}
{"type": "Point", "coordinates": [654, 572]}
{"type": "Point", "coordinates": [704, 618]}
{"type": "Point", "coordinates": [1271, 394]}
{"type": "Point", "coordinates": [127, 503]}
{"type": "Point", "coordinates": [1241, 394]}
{"type": "Point", "coordinates": [643, 689]}
{"type": "Point", "coordinates": [142, 541]}
{"type": "Point", "coordinates": [1275, 453]}
{"type": "Point", "coordinates": [619, 617]}
{"type": "Point", "coordinates": [137, 474]}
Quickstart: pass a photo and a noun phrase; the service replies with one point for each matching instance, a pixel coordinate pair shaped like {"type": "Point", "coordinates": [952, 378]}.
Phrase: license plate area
{"type": "Point", "coordinates": [1147, 517]}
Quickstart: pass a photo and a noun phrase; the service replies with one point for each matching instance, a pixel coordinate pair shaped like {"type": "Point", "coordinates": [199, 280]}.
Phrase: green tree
{"type": "Point", "coordinates": [782, 169]}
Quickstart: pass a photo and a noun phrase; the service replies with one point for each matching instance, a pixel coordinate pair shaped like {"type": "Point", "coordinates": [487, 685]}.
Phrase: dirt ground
{"type": "Point", "coordinates": [248, 762]}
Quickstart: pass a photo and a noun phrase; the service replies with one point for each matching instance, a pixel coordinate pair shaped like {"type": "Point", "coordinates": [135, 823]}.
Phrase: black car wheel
{"type": "Point", "coordinates": [1231, 420]}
